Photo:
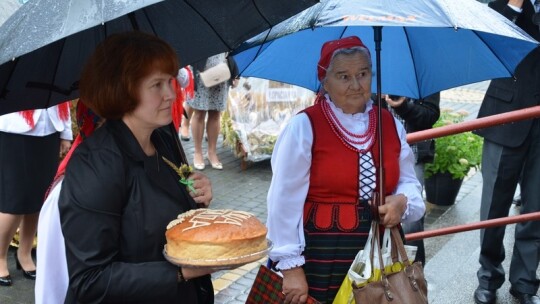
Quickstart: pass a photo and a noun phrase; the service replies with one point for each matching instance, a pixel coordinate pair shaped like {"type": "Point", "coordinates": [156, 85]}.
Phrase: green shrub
{"type": "Point", "coordinates": [455, 154]}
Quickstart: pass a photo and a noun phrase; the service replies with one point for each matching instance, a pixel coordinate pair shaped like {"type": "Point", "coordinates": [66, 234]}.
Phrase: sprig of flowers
{"type": "Point", "coordinates": [183, 172]}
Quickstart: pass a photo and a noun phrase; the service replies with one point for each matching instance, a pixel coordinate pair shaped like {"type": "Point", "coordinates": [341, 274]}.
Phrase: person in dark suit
{"type": "Point", "coordinates": [507, 150]}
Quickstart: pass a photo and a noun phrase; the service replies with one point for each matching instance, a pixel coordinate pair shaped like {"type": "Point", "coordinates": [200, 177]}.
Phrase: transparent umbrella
{"type": "Point", "coordinates": [45, 42]}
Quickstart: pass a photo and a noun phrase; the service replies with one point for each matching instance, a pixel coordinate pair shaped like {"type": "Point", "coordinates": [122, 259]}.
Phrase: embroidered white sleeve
{"type": "Point", "coordinates": [289, 263]}
{"type": "Point", "coordinates": [291, 160]}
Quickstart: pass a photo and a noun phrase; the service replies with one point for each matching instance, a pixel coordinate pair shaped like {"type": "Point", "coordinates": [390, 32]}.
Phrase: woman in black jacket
{"type": "Point", "coordinates": [119, 193]}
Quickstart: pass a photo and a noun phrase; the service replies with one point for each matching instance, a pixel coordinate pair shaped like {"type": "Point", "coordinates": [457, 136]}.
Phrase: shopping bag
{"type": "Point", "coordinates": [399, 282]}
{"type": "Point", "coordinates": [361, 270]}
{"type": "Point", "coordinates": [267, 288]}
{"type": "Point", "coordinates": [345, 292]}
{"type": "Point", "coordinates": [215, 75]}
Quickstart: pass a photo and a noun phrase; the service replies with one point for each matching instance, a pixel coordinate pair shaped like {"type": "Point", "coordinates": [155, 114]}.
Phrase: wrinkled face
{"type": "Point", "coordinates": [348, 82]}
{"type": "Point", "coordinates": [156, 95]}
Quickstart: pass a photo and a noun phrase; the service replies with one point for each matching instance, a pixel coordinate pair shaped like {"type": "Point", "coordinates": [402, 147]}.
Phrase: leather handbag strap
{"type": "Point", "coordinates": [376, 244]}
{"type": "Point", "coordinates": [398, 248]}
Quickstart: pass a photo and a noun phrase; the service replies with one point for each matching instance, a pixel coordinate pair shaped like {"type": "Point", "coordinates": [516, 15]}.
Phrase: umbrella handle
{"type": "Point", "coordinates": [374, 207]}
{"type": "Point", "coordinates": [377, 37]}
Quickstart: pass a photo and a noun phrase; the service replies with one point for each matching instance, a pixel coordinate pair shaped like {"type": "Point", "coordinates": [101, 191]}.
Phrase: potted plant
{"type": "Point", "coordinates": [455, 156]}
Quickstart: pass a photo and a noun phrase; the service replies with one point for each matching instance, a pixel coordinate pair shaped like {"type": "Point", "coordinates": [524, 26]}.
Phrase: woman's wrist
{"type": "Point", "coordinates": [404, 201]}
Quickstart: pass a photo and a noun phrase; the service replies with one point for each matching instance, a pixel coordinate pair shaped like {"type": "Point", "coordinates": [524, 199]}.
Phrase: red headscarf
{"type": "Point", "coordinates": [328, 49]}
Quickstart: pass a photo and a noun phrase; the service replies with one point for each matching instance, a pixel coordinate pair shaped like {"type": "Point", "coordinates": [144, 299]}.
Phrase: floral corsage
{"type": "Point", "coordinates": [183, 172]}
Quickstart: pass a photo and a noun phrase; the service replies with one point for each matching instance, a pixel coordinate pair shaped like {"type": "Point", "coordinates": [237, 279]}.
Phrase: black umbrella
{"type": "Point", "coordinates": [45, 43]}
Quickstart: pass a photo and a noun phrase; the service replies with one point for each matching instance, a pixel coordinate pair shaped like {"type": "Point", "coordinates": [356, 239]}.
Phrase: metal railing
{"type": "Point", "coordinates": [479, 123]}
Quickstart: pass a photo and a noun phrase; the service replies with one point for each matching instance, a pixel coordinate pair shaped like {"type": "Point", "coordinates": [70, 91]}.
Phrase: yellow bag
{"type": "Point", "coordinates": [359, 272]}
{"type": "Point", "coordinates": [362, 271]}
{"type": "Point", "coordinates": [345, 294]}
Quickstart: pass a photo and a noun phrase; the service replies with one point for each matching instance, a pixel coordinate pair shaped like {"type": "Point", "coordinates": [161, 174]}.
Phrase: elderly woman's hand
{"type": "Point", "coordinates": [391, 212]}
{"type": "Point", "coordinates": [295, 287]}
{"type": "Point", "coordinates": [203, 189]}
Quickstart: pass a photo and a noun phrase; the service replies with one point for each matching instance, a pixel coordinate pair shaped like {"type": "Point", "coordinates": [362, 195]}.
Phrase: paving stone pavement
{"type": "Point", "coordinates": [245, 188]}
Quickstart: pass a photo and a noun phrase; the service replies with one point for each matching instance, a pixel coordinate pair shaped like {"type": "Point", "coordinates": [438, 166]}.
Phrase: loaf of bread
{"type": "Point", "coordinates": [214, 234]}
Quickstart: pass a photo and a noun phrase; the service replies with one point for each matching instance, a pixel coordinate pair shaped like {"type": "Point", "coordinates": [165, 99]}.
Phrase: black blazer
{"type": "Point", "coordinates": [115, 205]}
{"type": "Point", "coordinates": [509, 94]}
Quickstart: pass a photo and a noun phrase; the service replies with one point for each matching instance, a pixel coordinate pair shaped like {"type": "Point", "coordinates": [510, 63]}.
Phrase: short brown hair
{"type": "Point", "coordinates": [111, 77]}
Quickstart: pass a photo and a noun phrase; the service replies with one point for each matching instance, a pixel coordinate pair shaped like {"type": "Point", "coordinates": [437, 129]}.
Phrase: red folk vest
{"type": "Point", "coordinates": [333, 195]}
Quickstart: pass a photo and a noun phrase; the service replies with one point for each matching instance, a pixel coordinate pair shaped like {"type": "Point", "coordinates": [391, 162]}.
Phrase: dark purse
{"type": "Point", "coordinates": [267, 288]}
{"type": "Point", "coordinates": [407, 286]}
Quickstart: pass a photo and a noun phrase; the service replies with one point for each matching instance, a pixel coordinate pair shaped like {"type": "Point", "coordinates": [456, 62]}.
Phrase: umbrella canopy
{"type": "Point", "coordinates": [45, 42]}
{"type": "Point", "coordinates": [7, 7]}
{"type": "Point", "coordinates": [427, 45]}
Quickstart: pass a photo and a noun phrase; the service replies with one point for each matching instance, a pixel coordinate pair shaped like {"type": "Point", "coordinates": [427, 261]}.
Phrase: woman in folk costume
{"type": "Point", "coordinates": [31, 143]}
{"type": "Point", "coordinates": [324, 177]}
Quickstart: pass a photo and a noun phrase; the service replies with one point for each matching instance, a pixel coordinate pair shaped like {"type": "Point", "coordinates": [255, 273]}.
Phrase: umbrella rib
{"type": "Point", "coordinates": [56, 71]}
{"type": "Point", "coordinates": [5, 90]}
{"type": "Point", "coordinates": [51, 87]}
{"type": "Point", "coordinates": [494, 53]}
{"type": "Point", "coordinates": [209, 24]}
{"type": "Point", "coordinates": [343, 32]}
{"type": "Point", "coordinates": [258, 51]}
{"type": "Point", "coordinates": [262, 15]}
{"type": "Point", "coordinates": [413, 63]}
{"type": "Point", "coordinates": [265, 37]}
{"type": "Point", "coordinates": [133, 20]}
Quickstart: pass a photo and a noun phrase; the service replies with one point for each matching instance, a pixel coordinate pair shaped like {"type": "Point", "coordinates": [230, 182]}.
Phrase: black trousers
{"type": "Point", "coordinates": [501, 170]}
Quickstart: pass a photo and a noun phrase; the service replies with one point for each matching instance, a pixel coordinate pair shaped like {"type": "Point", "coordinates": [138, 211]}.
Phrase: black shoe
{"type": "Point", "coordinates": [31, 275]}
{"type": "Point", "coordinates": [484, 296]}
{"type": "Point", "coordinates": [185, 138]}
{"type": "Point", "coordinates": [524, 298]}
{"type": "Point", "coordinates": [6, 281]}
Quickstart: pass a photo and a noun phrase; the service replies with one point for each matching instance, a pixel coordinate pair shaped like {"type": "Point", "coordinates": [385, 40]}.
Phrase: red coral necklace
{"type": "Point", "coordinates": [348, 138]}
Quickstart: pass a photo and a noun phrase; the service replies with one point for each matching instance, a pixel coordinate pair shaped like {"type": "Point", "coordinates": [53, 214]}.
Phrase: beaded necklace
{"type": "Point", "coordinates": [345, 135]}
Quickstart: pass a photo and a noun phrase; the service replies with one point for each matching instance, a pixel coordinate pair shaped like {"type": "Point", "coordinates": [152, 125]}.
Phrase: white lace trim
{"type": "Point", "coordinates": [291, 262]}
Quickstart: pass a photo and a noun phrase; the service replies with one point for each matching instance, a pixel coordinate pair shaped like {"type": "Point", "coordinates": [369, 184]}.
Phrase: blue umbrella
{"type": "Point", "coordinates": [426, 46]}
{"type": "Point", "coordinates": [421, 47]}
